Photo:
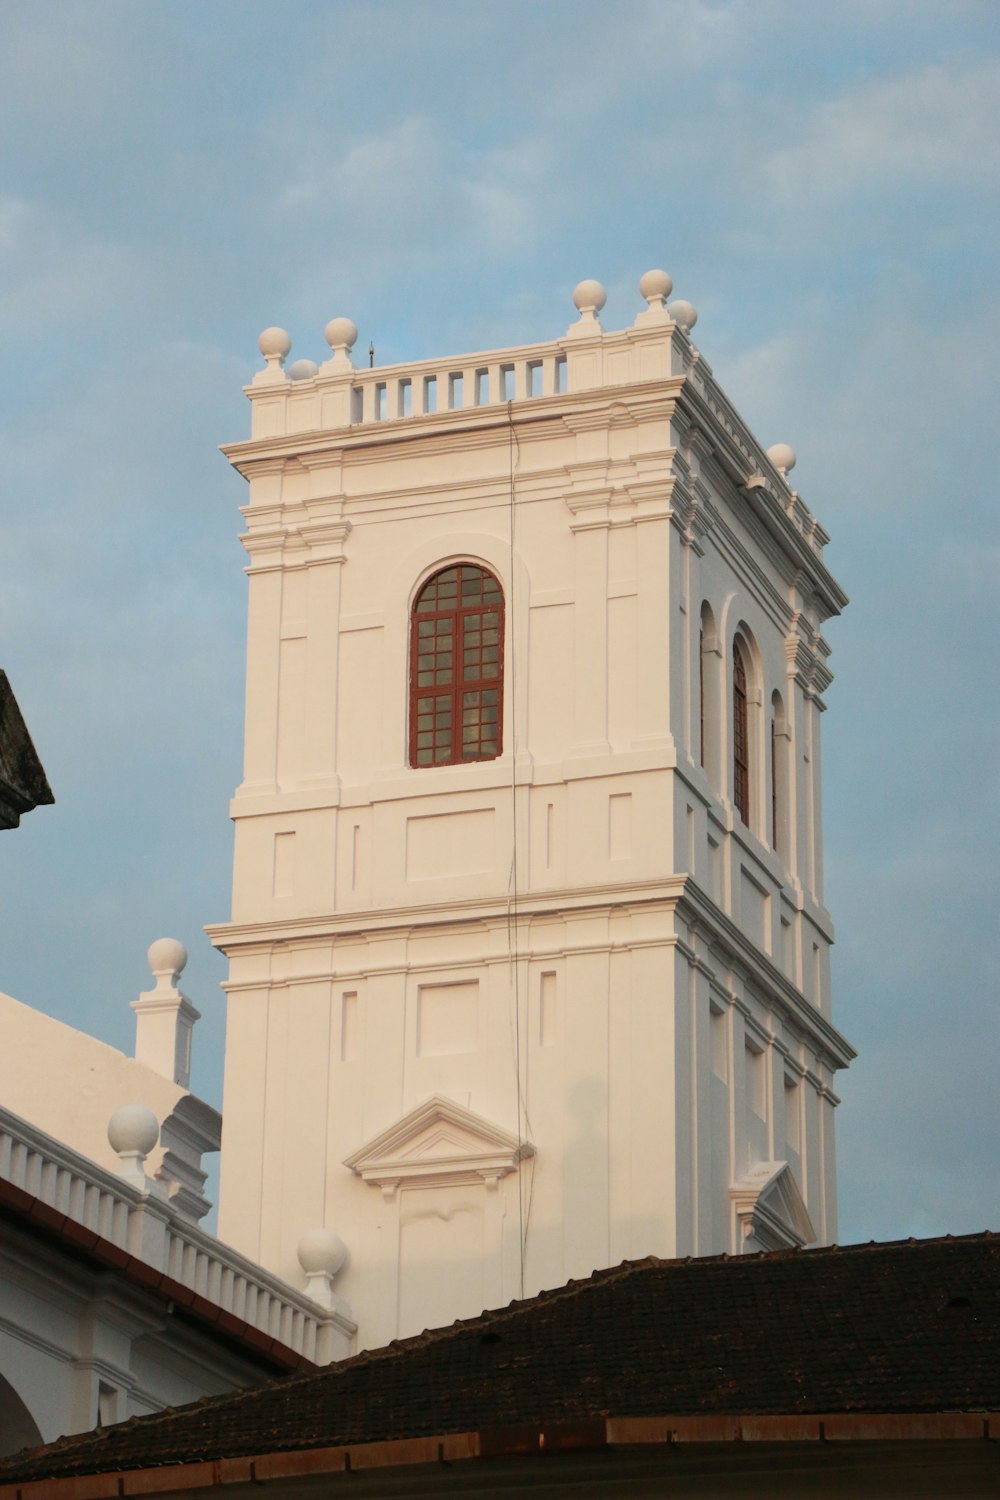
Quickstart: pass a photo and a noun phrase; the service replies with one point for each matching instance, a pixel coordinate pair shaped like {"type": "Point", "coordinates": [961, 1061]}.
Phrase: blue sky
{"type": "Point", "coordinates": [823, 185]}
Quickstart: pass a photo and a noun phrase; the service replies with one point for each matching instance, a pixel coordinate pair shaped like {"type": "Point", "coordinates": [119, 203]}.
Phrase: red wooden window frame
{"type": "Point", "coordinates": [741, 747]}
{"type": "Point", "coordinates": [456, 668]}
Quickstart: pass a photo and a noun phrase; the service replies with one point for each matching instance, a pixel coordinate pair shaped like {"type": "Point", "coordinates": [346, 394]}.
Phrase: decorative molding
{"type": "Point", "coordinates": [770, 1208]}
{"type": "Point", "coordinates": [438, 1142]}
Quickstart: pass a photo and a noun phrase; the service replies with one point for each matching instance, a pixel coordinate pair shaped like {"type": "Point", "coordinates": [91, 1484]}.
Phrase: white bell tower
{"type": "Point", "coordinates": [528, 955]}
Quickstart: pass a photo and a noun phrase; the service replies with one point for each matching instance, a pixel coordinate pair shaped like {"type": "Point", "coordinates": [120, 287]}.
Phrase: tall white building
{"type": "Point", "coordinates": [529, 961]}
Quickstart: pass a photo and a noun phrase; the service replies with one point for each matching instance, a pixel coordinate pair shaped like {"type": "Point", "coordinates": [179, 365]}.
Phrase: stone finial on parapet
{"type": "Point", "coordinates": [655, 286]}
{"type": "Point", "coordinates": [322, 1253]}
{"type": "Point", "coordinates": [782, 455]}
{"type": "Point", "coordinates": [341, 335]}
{"type": "Point", "coordinates": [684, 314]}
{"type": "Point", "coordinates": [302, 369]}
{"type": "Point", "coordinates": [133, 1131]}
{"type": "Point", "coordinates": [164, 1016]}
{"type": "Point", "coordinates": [588, 297]}
{"type": "Point", "coordinates": [275, 345]}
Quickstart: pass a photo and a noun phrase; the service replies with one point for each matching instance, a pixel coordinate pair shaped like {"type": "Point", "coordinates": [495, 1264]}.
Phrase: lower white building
{"type": "Point", "coordinates": [113, 1301]}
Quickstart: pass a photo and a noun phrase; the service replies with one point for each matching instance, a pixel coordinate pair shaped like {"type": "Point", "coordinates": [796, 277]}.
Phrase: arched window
{"type": "Point", "coordinates": [456, 668]}
{"type": "Point", "coordinates": [708, 694]}
{"type": "Point", "coordinates": [701, 696]}
{"type": "Point", "coordinates": [774, 785]}
{"type": "Point", "coordinates": [741, 738]}
{"type": "Point", "coordinates": [779, 775]}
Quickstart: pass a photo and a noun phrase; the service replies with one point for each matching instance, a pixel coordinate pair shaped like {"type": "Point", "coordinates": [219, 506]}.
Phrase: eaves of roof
{"type": "Point", "coordinates": [620, 1438]}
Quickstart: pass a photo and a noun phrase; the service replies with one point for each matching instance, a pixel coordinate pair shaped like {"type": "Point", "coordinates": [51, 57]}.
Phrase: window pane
{"type": "Point", "coordinates": [468, 600]}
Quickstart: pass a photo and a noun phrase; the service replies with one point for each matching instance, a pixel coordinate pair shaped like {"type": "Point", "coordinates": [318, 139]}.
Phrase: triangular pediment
{"type": "Point", "coordinates": [770, 1207]}
{"type": "Point", "coordinates": [439, 1141]}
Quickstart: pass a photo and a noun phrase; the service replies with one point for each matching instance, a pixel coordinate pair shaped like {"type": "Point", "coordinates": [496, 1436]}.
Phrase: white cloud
{"type": "Point", "coordinates": [925, 129]}
{"type": "Point", "coordinates": [14, 214]}
{"type": "Point", "coordinates": [54, 273]}
{"type": "Point", "coordinates": [409, 192]}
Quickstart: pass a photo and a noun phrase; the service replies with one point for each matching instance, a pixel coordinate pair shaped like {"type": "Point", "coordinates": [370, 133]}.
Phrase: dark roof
{"type": "Point", "coordinates": [881, 1328]}
{"type": "Point", "coordinates": [22, 779]}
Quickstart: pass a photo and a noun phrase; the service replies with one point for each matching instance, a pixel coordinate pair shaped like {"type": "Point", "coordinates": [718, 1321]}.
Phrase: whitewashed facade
{"type": "Point", "coordinates": [95, 1321]}
{"type": "Point", "coordinates": [68, 1084]}
{"type": "Point", "coordinates": [497, 1023]}
{"type": "Point", "coordinates": [114, 1302]}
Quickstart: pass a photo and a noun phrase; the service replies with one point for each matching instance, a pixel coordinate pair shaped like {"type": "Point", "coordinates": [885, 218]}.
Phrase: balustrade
{"type": "Point", "coordinates": [129, 1219]}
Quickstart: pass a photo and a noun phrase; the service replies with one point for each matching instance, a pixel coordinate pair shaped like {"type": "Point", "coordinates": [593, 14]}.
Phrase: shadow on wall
{"type": "Point", "coordinates": [17, 1427]}
{"type": "Point", "coordinates": [458, 1245]}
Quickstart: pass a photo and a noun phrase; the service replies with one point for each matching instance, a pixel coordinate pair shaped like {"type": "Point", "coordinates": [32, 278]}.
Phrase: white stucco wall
{"type": "Point", "coordinates": [580, 942]}
{"type": "Point", "coordinates": [79, 1345]}
{"type": "Point", "coordinates": [69, 1084]}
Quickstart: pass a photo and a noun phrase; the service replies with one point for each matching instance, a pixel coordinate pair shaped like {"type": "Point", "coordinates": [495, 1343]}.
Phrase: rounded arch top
{"type": "Point", "coordinates": [434, 571]}
{"type": "Point", "coordinates": [709, 628]}
{"type": "Point", "coordinates": [745, 641]}
{"type": "Point", "coordinates": [18, 1428]}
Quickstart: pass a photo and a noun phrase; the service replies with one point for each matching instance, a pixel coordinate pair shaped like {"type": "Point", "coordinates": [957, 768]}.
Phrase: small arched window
{"type": "Point", "coordinates": [741, 738]}
{"type": "Point", "coordinates": [708, 694]}
{"type": "Point", "coordinates": [701, 696]}
{"type": "Point", "coordinates": [456, 668]}
{"type": "Point", "coordinates": [774, 782]}
{"type": "Point", "coordinates": [779, 775]}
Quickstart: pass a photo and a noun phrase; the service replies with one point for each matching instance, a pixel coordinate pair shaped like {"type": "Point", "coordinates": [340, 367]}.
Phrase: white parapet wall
{"type": "Point", "coordinates": [96, 1323]}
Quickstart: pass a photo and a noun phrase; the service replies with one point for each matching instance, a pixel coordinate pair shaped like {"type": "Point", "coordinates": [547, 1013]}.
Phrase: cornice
{"type": "Point", "coordinates": [466, 427]}
{"type": "Point", "coordinates": [740, 455]}
{"type": "Point", "coordinates": [702, 914]}
{"type": "Point", "coordinates": [677, 893]}
{"type": "Point", "coordinates": [806, 653]}
{"type": "Point", "coordinates": [462, 909]}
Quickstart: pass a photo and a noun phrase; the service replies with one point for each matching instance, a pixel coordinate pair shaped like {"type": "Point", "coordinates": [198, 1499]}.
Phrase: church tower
{"type": "Point", "coordinates": [529, 961]}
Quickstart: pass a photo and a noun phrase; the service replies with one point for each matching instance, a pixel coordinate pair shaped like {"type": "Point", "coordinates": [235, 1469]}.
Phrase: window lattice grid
{"type": "Point", "coordinates": [456, 668]}
{"type": "Point", "coordinates": [479, 724]}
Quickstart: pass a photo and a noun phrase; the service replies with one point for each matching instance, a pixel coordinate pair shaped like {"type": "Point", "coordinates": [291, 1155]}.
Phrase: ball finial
{"type": "Point", "coordinates": [302, 369]}
{"type": "Point", "coordinates": [274, 344]}
{"type": "Point", "coordinates": [167, 957]}
{"type": "Point", "coordinates": [589, 297]}
{"type": "Point", "coordinates": [683, 314]}
{"type": "Point", "coordinates": [656, 287]}
{"type": "Point", "coordinates": [782, 455]}
{"type": "Point", "coordinates": [341, 334]}
{"type": "Point", "coordinates": [133, 1129]}
{"type": "Point", "coordinates": [321, 1252]}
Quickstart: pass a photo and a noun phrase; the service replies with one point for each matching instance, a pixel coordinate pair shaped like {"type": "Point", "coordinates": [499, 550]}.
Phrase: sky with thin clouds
{"type": "Point", "coordinates": [822, 183]}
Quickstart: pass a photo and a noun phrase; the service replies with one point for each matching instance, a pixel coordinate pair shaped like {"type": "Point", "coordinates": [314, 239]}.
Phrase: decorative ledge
{"type": "Point", "coordinates": [439, 1142]}
{"type": "Point", "coordinates": [771, 1209]}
